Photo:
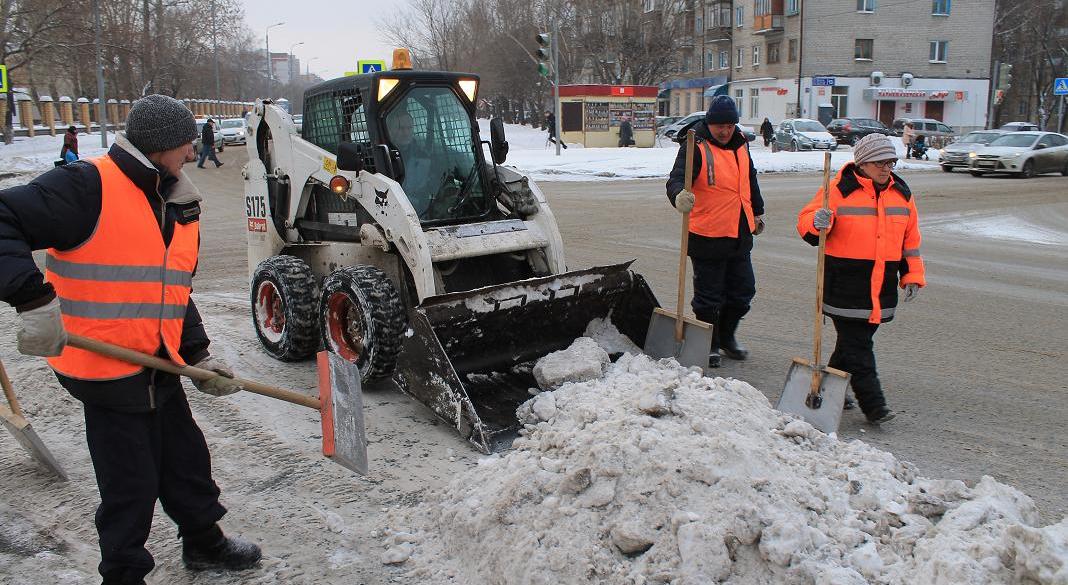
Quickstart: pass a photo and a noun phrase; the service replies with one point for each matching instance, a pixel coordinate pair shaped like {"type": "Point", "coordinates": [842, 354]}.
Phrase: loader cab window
{"type": "Point", "coordinates": [442, 176]}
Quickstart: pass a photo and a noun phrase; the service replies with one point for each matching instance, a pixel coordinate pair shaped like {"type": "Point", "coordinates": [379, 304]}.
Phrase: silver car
{"type": "Point", "coordinates": [232, 130]}
{"type": "Point", "coordinates": [956, 155]}
{"type": "Point", "coordinates": [1023, 153]}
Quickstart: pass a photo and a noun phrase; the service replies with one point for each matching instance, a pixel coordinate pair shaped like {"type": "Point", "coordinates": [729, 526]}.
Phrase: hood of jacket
{"type": "Point", "coordinates": [134, 164]}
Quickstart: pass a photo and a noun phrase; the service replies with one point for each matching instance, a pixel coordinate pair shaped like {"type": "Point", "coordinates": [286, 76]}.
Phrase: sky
{"type": "Point", "coordinates": [337, 32]}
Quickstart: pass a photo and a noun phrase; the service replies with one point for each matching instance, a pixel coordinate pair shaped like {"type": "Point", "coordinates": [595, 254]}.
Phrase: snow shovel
{"type": "Point", "coordinates": [813, 391]}
{"type": "Point", "coordinates": [673, 334]}
{"type": "Point", "coordinates": [24, 433]}
{"type": "Point", "coordinates": [340, 402]}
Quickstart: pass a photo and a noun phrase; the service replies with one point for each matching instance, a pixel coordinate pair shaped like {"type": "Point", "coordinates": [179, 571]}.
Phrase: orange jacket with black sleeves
{"type": "Point", "coordinates": [873, 245]}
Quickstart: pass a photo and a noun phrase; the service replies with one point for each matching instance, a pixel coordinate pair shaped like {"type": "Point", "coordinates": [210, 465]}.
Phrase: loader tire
{"type": "Point", "coordinates": [284, 307]}
{"type": "Point", "coordinates": [363, 320]}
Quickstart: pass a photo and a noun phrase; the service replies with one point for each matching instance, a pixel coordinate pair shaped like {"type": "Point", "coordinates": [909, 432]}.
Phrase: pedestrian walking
{"type": "Point", "coordinates": [767, 130]}
{"type": "Point", "coordinates": [626, 132]}
{"type": "Point", "coordinates": [550, 121]}
{"type": "Point", "coordinates": [69, 152]}
{"type": "Point", "coordinates": [908, 136]}
{"type": "Point", "coordinates": [207, 145]}
{"type": "Point", "coordinates": [122, 237]}
{"type": "Point", "coordinates": [726, 211]}
{"type": "Point", "coordinates": [872, 249]}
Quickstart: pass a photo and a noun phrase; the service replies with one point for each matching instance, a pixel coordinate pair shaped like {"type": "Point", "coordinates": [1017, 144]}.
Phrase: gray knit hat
{"type": "Point", "coordinates": [158, 122]}
{"type": "Point", "coordinates": [873, 147]}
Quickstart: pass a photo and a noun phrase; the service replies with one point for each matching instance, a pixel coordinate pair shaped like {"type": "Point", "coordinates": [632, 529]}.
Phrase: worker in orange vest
{"type": "Point", "coordinates": [122, 234]}
{"type": "Point", "coordinates": [726, 211]}
{"type": "Point", "coordinates": [873, 248]}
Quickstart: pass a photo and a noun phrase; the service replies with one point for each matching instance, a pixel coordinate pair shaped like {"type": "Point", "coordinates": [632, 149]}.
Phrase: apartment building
{"type": "Point", "coordinates": [705, 60]}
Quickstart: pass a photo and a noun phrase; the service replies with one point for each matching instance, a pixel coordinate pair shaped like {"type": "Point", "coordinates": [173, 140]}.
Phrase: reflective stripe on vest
{"type": "Point", "coordinates": [123, 285]}
{"type": "Point", "coordinates": [721, 192]}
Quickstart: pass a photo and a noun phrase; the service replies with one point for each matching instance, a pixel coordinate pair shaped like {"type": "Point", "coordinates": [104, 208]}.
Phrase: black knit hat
{"type": "Point", "coordinates": [158, 122]}
{"type": "Point", "coordinates": [722, 111]}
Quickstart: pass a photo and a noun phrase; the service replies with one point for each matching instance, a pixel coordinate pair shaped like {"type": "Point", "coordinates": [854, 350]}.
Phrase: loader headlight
{"type": "Point", "coordinates": [339, 184]}
{"type": "Point", "coordinates": [972, 155]}
{"type": "Point", "coordinates": [469, 87]}
{"type": "Point", "coordinates": [386, 85]}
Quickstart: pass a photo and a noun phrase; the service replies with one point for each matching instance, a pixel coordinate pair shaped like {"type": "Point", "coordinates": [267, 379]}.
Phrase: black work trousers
{"type": "Point", "coordinates": [854, 352]}
{"type": "Point", "coordinates": [727, 281]}
{"type": "Point", "coordinates": [140, 457]}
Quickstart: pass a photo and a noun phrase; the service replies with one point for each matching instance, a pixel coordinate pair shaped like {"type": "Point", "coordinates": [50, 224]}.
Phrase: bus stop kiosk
{"type": "Point", "coordinates": [591, 114]}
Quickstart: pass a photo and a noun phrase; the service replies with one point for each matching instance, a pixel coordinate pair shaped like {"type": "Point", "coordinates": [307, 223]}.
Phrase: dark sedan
{"type": "Point", "coordinates": [850, 130]}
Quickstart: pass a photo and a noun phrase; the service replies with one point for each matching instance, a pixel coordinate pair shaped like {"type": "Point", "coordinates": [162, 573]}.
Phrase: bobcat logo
{"type": "Point", "coordinates": [380, 197]}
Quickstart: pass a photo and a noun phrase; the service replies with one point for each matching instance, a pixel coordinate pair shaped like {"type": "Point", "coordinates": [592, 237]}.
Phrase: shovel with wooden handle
{"type": "Point", "coordinates": [24, 433]}
{"type": "Point", "coordinates": [813, 391]}
{"type": "Point", "coordinates": [340, 402]}
{"type": "Point", "coordinates": [687, 340]}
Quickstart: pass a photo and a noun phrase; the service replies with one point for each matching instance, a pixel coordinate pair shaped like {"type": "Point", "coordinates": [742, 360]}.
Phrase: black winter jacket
{"type": "Point", "coordinates": [703, 247]}
{"type": "Point", "coordinates": [207, 136]}
{"type": "Point", "coordinates": [60, 209]}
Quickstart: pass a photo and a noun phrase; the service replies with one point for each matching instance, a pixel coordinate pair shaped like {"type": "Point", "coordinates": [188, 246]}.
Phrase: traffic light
{"type": "Point", "coordinates": [1005, 76]}
{"type": "Point", "coordinates": [544, 54]}
{"type": "Point", "coordinates": [999, 96]}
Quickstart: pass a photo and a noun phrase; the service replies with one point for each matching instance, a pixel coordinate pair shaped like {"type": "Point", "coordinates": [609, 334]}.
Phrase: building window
{"type": "Point", "coordinates": [724, 60]}
{"type": "Point", "coordinates": [840, 100]}
{"type": "Point", "coordinates": [940, 7]}
{"type": "Point", "coordinates": [762, 7]}
{"type": "Point", "coordinates": [739, 57]}
{"type": "Point", "coordinates": [699, 24]}
{"type": "Point", "coordinates": [650, 5]}
{"type": "Point", "coordinates": [865, 5]}
{"type": "Point", "coordinates": [938, 51]}
{"type": "Point", "coordinates": [739, 16]}
{"type": "Point", "coordinates": [754, 102]}
{"type": "Point", "coordinates": [687, 62]}
{"type": "Point", "coordinates": [791, 52]}
{"type": "Point", "coordinates": [739, 95]}
{"type": "Point", "coordinates": [792, 7]}
{"type": "Point", "coordinates": [710, 60]}
{"type": "Point", "coordinates": [773, 53]}
{"type": "Point", "coordinates": [862, 49]}
{"type": "Point", "coordinates": [756, 55]}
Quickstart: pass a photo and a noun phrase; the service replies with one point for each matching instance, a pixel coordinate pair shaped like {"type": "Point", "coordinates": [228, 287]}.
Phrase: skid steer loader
{"type": "Point", "coordinates": [384, 234]}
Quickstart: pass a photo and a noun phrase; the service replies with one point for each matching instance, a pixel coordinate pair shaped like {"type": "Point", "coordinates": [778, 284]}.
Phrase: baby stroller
{"type": "Point", "coordinates": [919, 148]}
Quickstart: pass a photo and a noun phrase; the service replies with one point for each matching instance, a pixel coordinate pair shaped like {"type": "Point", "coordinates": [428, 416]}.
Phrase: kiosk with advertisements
{"type": "Point", "coordinates": [592, 114]}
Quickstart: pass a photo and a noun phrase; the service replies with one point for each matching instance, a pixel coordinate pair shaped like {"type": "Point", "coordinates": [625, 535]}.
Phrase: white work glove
{"type": "Point", "coordinates": [41, 332]}
{"type": "Point", "coordinates": [822, 219]}
{"type": "Point", "coordinates": [759, 225]}
{"type": "Point", "coordinates": [911, 292]}
{"type": "Point", "coordinates": [684, 201]}
{"type": "Point", "coordinates": [221, 385]}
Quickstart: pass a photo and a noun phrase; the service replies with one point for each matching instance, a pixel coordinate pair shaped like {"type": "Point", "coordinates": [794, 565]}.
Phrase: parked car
{"type": "Point", "coordinates": [232, 131]}
{"type": "Point", "coordinates": [1019, 127]}
{"type": "Point", "coordinates": [200, 129]}
{"type": "Point", "coordinates": [298, 121]}
{"type": "Point", "coordinates": [803, 134]}
{"type": "Point", "coordinates": [924, 127]}
{"type": "Point", "coordinates": [662, 122]}
{"type": "Point", "coordinates": [958, 154]}
{"type": "Point", "coordinates": [1026, 154]}
{"type": "Point", "coordinates": [672, 131]}
{"type": "Point", "coordinates": [850, 130]}
{"type": "Point", "coordinates": [748, 132]}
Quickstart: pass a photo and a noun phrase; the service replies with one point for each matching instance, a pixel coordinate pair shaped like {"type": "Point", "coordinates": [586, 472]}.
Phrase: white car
{"type": "Point", "coordinates": [672, 130]}
{"type": "Point", "coordinates": [232, 130]}
{"type": "Point", "coordinates": [1022, 153]}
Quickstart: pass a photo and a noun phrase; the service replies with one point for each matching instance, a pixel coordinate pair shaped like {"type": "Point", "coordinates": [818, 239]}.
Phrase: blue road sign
{"type": "Point", "coordinates": [371, 66]}
{"type": "Point", "coordinates": [824, 81]}
{"type": "Point", "coordinates": [1060, 86]}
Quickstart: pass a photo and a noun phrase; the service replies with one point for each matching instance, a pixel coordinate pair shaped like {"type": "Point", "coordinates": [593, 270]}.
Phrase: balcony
{"type": "Point", "coordinates": [767, 24]}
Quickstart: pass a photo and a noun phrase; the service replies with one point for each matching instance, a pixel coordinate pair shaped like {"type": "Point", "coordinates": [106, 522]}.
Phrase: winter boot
{"type": "Point", "coordinates": [211, 549]}
{"type": "Point", "coordinates": [714, 358]}
{"type": "Point", "coordinates": [729, 318]}
{"type": "Point", "coordinates": [849, 403]}
{"type": "Point", "coordinates": [881, 416]}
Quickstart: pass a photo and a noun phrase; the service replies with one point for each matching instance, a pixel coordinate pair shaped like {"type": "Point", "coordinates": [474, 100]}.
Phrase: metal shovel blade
{"type": "Point", "coordinates": [344, 437]}
{"type": "Point", "coordinates": [696, 341]}
{"type": "Point", "coordinates": [826, 415]}
{"type": "Point", "coordinates": [27, 437]}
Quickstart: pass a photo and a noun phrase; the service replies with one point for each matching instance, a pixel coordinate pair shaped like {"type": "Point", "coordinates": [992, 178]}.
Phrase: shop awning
{"type": "Point", "coordinates": [714, 90]}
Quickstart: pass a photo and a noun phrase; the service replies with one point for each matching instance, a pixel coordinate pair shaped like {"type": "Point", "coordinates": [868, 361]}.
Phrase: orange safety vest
{"type": "Point", "coordinates": [123, 285]}
{"type": "Point", "coordinates": [721, 192]}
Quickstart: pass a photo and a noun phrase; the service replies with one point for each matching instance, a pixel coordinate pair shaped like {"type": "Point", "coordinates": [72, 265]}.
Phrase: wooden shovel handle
{"type": "Point", "coordinates": [191, 372]}
{"type": "Point", "coordinates": [817, 329]}
{"type": "Point", "coordinates": [9, 392]}
{"type": "Point", "coordinates": [684, 245]}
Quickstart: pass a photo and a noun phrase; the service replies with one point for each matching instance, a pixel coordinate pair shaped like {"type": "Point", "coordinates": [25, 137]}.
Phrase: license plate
{"type": "Point", "coordinates": [985, 164]}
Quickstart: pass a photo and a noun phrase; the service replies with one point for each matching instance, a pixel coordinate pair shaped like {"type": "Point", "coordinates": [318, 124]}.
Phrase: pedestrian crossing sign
{"type": "Point", "coordinates": [370, 65]}
{"type": "Point", "coordinates": [1060, 86]}
{"type": "Point", "coordinates": [3, 78]}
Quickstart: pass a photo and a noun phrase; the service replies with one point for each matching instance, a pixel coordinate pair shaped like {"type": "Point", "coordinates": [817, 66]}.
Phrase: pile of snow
{"type": "Point", "coordinates": [530, 152]}
{"type": "Point", "coordinates": [38, 154]}
{"type": "Point", "coordinates": [656, 474]}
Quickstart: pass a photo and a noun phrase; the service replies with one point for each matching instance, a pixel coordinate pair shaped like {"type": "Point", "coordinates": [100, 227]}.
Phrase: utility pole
{"type": "Point", "coordinates": [215, 43]}
{"type": "Point", "coordinates": [103, 112]}
{"type": "Point", "coordinates": [270, 66]}
{"type": "Point", "coordinates": [290, 82]}
{"type": "Point", "coordinates": [556, 83]}
{"type": "Point", "coordinates": [993, 92]}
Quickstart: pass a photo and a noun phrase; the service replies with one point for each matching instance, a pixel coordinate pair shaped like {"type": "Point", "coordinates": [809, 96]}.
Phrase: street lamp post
{"type": "Point", "coordinates": [267, 41]}
{"type": "Point", "coordinates": [102, 115]}
{"type": "Point", "coordinates": [307, 67]}
{"type": "Point", "coordinates": [215, 49]}
{"type": "Point", "coordinates": [290, 68]}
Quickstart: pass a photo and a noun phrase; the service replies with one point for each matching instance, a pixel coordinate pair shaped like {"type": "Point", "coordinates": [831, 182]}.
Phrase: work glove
{"type": "Point", "coordinates": [759, 225]}
{"type": "Point", "coordinates": [822, 219]}
{"type": "Point", "coordinates": [221, 385]}
{"type": "Point", "coordinates": [41, 332]}
{"type": "Point", "coordinates": [684, 201]}
{"type": "Point", "coordinates": [911, 291]}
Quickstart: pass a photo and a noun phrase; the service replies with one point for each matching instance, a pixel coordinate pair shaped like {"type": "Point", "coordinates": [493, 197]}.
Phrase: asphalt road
{"type": "Point", "coordinates": [976, 367]}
